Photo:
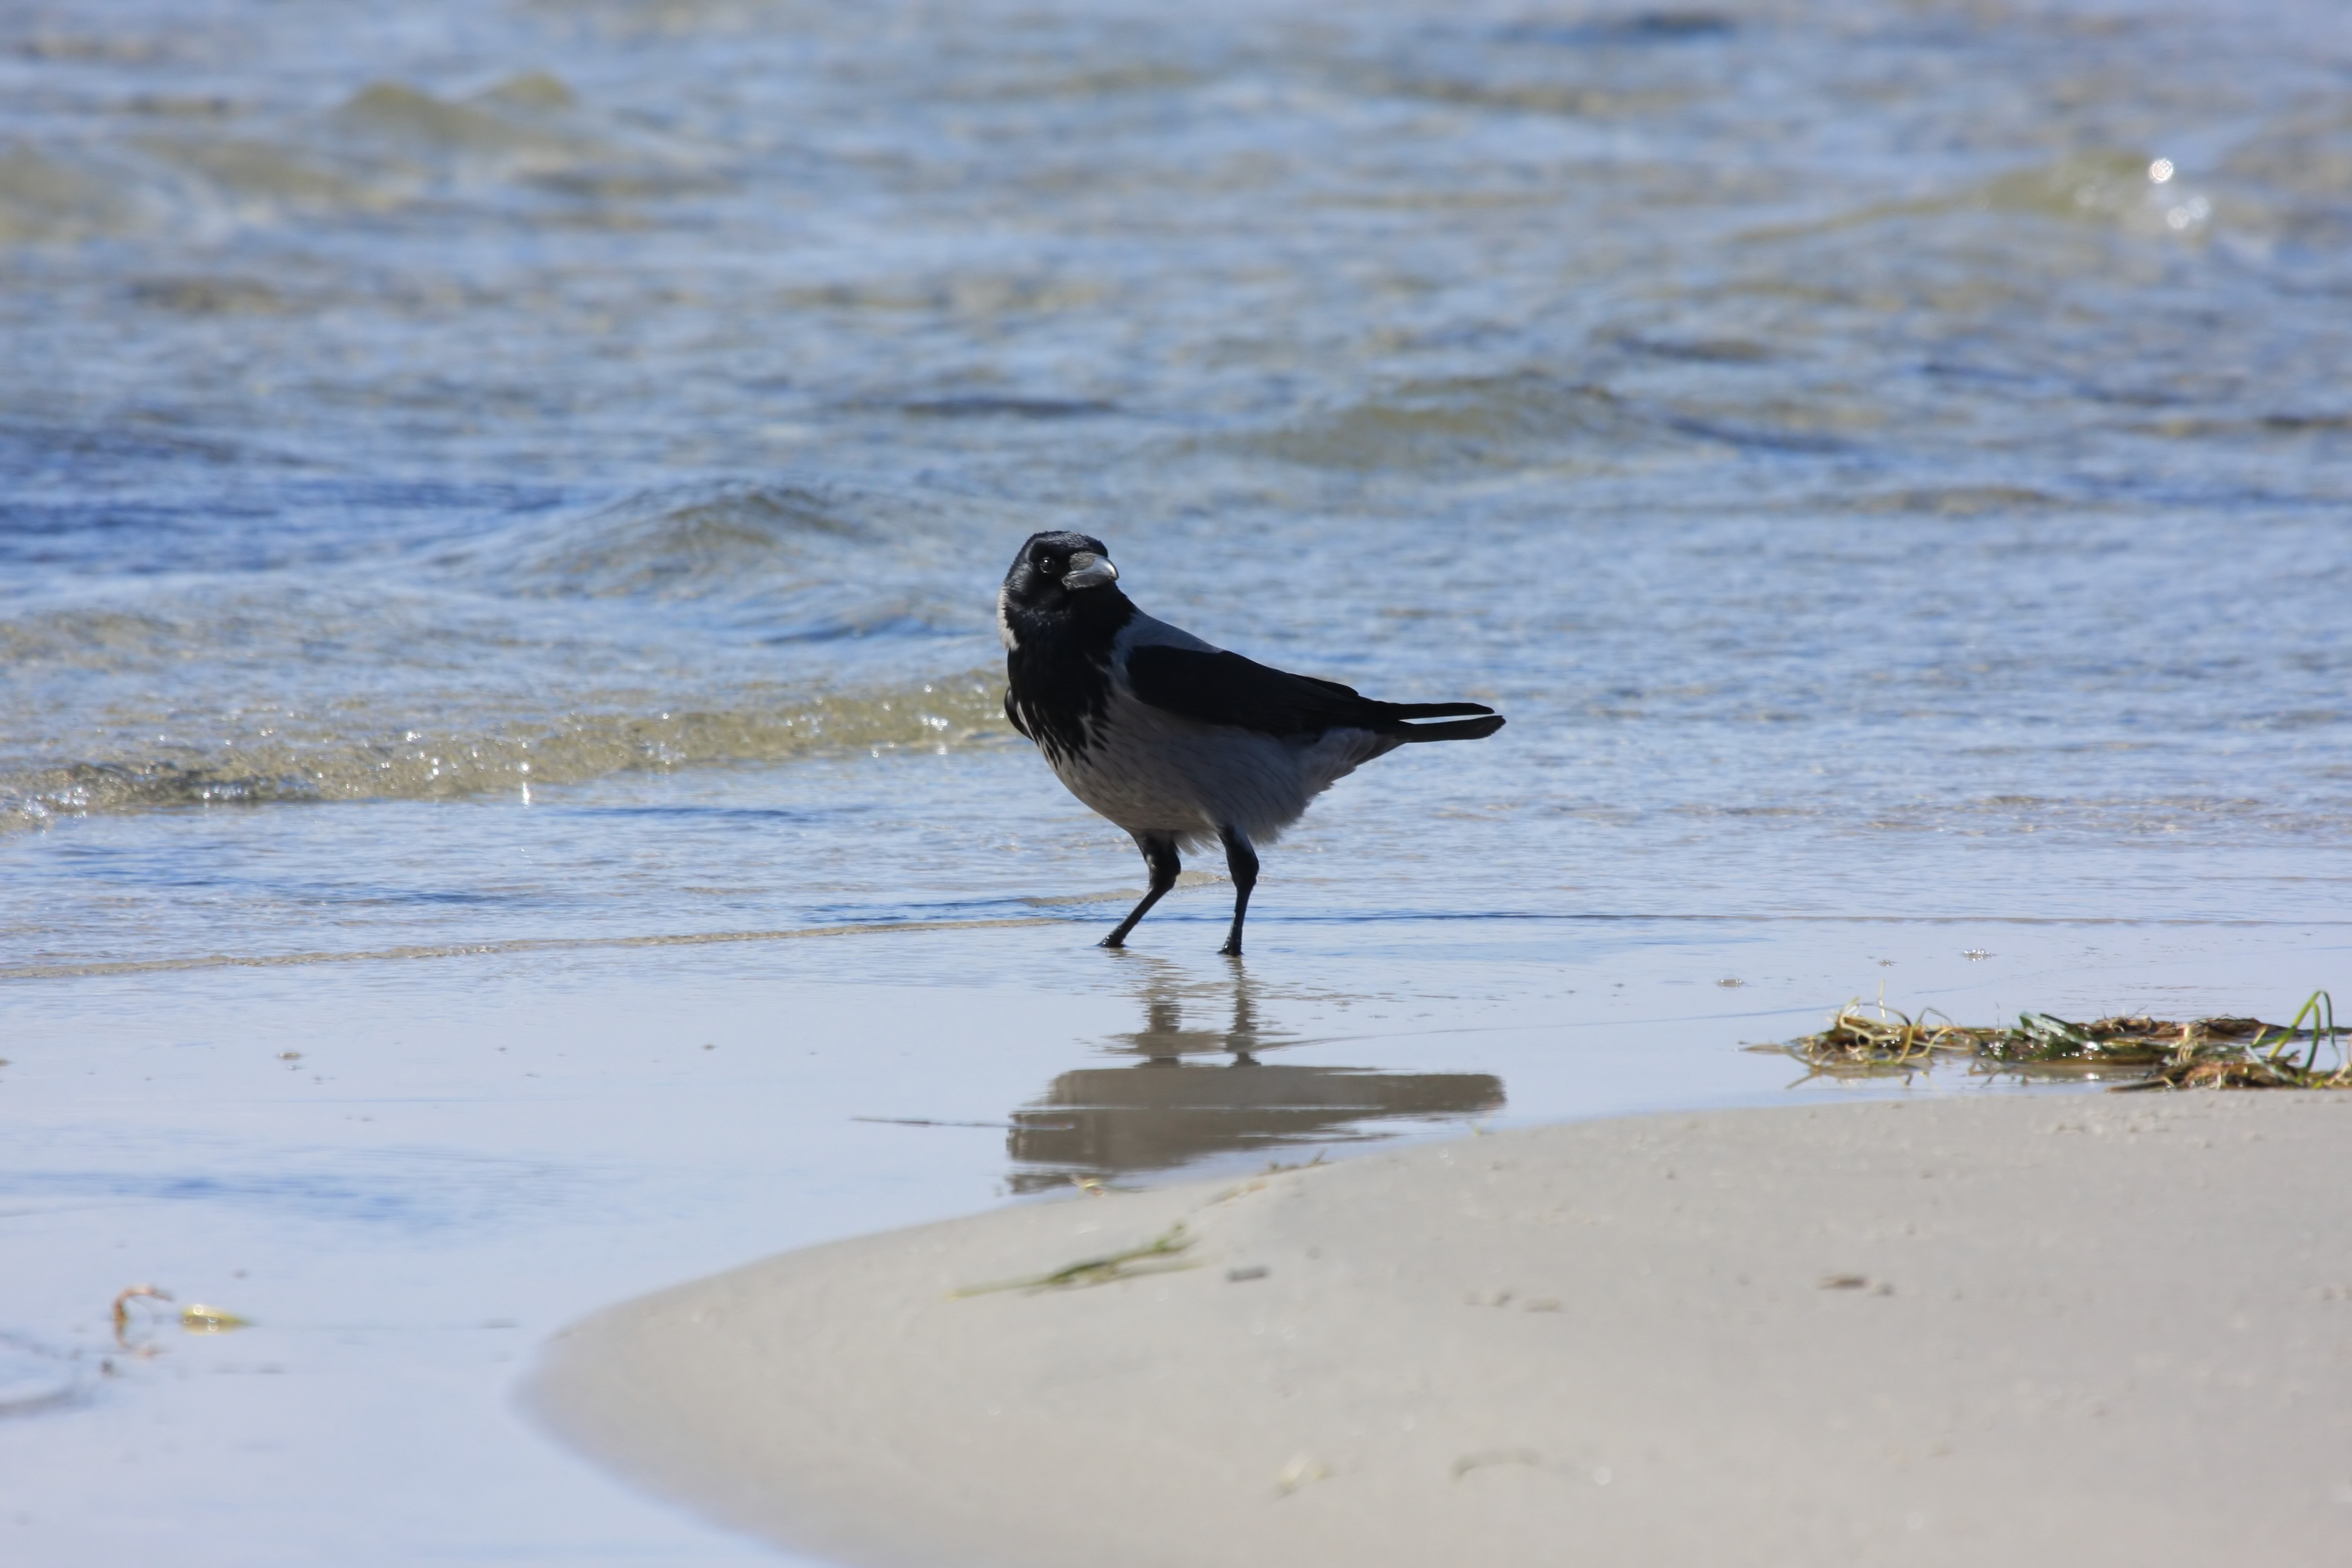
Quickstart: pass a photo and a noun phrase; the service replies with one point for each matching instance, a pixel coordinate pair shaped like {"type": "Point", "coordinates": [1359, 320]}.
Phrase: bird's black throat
{"type": "Point", "coordinates": [1057, 671]}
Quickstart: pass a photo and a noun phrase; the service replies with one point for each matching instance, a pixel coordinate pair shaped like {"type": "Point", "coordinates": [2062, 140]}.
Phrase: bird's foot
{"type": "Point", "coordinates": [1113, 940]}
{"type": "Point", "coordinates": [1231, 949]}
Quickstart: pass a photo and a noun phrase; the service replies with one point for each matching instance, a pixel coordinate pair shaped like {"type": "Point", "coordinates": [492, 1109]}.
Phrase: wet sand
{"type": "Point", "coordinates": [2112, 1329]}
{"type": "Point", "coordinates": [408, 1175]}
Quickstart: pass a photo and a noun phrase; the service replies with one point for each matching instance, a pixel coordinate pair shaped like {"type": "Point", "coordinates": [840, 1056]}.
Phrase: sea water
{"type": "Point", "coordinates": [500, 512]}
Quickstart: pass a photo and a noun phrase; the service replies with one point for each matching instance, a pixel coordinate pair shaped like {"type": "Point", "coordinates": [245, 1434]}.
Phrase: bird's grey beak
{"type": "Point", "coordinates": [1088, 570]}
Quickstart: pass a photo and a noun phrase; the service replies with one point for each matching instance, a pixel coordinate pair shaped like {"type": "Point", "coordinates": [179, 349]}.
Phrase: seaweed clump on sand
{"type": "Point", "coordinates": [2158, 1053]}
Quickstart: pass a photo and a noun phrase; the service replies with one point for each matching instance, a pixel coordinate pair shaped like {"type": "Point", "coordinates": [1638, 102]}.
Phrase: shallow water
{"type": "Point", "coordinates": [522, 482]}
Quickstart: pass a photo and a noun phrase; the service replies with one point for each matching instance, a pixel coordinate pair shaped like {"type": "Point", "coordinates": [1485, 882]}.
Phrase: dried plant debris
{"type": "Point", "coordinates": [195, 1317]}
{"type": "Point", "coordinates": [2157, 1053]}
{"type": "Point", "coordinates": [125, 1324]}
{"type": "Point", "coordinates": [1100, 1270]}
{"type": "Point", "coordinates": [199, 1318]}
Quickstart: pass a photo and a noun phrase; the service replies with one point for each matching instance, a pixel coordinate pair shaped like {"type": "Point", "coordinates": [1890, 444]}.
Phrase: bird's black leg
{"type": "Point", "coordinates": [1241, 859]}
{"type": "Point", "coordinates": [1160, 853]}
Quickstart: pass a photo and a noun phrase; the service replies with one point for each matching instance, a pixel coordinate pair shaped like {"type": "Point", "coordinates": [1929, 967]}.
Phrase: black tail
{"type": "Point", "coordinates": [1430, 709]}
{"type": "Point", "coordinates": [1460, 730]}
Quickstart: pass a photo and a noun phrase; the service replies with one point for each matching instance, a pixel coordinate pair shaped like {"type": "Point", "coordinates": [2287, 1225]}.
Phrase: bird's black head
{"type": "Point", "coordinates": [1062, 577]}
{"type": "Point", "coordinates": [1054, 568]}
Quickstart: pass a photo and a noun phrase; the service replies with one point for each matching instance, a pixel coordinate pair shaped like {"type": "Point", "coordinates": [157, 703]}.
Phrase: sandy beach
{"type": "Point", "coordinates": [2099, 1328]}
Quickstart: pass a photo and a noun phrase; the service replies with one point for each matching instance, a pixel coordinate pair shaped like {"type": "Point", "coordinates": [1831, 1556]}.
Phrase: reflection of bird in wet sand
{"type": "Point", "coordinates": [1175, 741]}
{"type": "Point", "coordinates": [1164, 1038]}
{"type": "Point", "coordinates": [1162, 1112]}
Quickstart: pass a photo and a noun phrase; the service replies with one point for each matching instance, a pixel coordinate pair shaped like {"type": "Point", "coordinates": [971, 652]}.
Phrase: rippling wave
{"type": "Point", "coordinates": [295, 760]}
{"type": "Point", "coordinates": [792, 560]}
{"type": "Point", "coordinates": [191, 159]}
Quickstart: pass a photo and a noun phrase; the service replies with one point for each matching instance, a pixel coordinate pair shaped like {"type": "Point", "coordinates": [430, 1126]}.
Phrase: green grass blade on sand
{"type": "Point", "coordinates": [1099, 1270]}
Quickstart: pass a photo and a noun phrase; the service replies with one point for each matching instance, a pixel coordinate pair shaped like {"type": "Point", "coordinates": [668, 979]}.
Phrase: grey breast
{"type": "Point", "coordinates": [1152, 772]}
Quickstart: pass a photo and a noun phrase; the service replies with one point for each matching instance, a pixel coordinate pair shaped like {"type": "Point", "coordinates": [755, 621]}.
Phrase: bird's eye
{"type": "Point", "coordinates": [1049, 567]}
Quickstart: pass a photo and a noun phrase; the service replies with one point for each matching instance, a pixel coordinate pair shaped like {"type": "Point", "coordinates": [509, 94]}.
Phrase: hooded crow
{"type": "Point", "coordinates": [1177, 741]}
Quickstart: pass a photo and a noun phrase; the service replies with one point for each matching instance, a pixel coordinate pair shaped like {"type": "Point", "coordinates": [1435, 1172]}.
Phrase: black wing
{"type": "Point", "coordinates": [1013, 713]}
{"type": "Point", "coordinates": [1226, 688]}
